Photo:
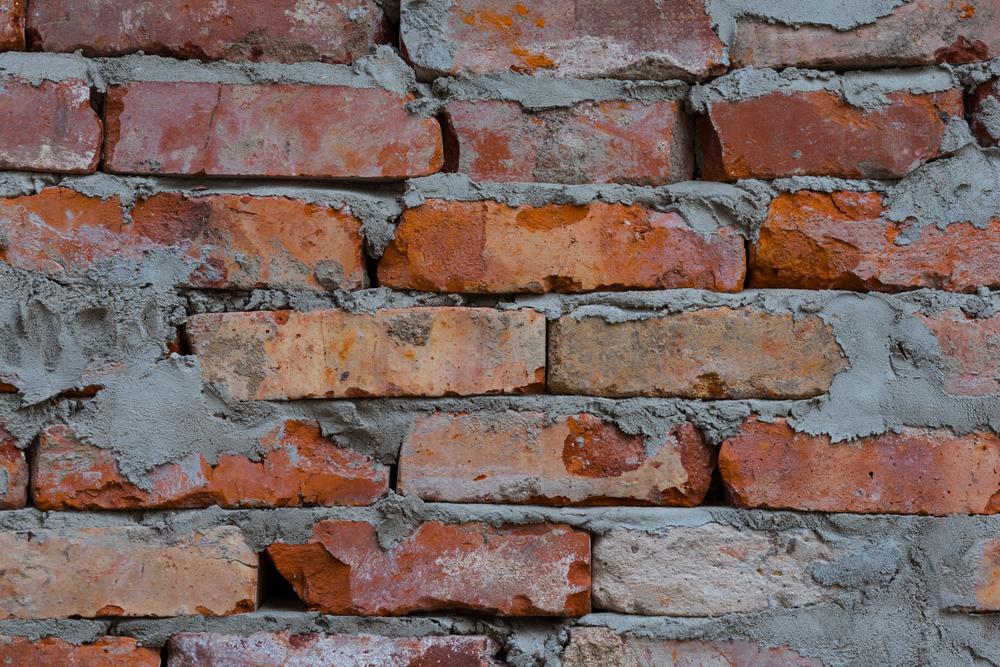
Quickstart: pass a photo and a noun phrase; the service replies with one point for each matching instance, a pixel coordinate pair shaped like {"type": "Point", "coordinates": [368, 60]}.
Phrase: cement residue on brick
{"type": "Point", "coordinates": [843, 15]}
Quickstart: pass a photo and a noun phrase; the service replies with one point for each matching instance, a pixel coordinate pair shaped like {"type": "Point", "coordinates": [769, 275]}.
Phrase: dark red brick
{"type": "Point", "coordinates": [984, 112]}
{"type": "Point", "coordinates": [13, 472]}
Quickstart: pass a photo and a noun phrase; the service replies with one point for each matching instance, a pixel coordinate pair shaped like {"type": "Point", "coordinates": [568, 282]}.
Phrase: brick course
{"type": "Point", "coordinates": [52, 652]}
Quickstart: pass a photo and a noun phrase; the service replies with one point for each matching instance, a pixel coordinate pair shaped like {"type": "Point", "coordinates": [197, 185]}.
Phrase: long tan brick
{"type": "Point", "coordinates": [125, 571]}
{"type": "Point", "coordinates": [407, 352]}
{"type": "Point", "coordinates": [54, 652]}
{"type": "Point", "coordinates": [490, 248]}
{"type": "Point", "coordinates": [531, 458]}
{"type": "Point", "coordinates": [710, 353]}
{"type": "Point", "coordinates": [918, 471]}
{"type": "Point", "coordinates": [539, 570]}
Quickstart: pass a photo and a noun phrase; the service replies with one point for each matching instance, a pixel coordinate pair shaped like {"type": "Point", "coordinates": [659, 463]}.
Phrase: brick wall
{"type": "Point", "coordinates": [466, 332]}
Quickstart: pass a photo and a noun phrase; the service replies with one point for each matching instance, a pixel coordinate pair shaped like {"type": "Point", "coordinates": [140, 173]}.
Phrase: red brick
{"type": "Point", "coordinates": [918, 471]}
{"type": "Point", "coordinates": [968, 346]}
{"type": "Point", "coordinates": [299, 467]}
{"type": "Point", "coordinates": [277, 650]}
{"type": "Point", "coordinates": [258, 130]}
{"type": "Point", "coordinates": [815, 240]}
{"type": "Point", "coordinates": [12, 25]}
{"type": "Point", "coordinates": [922, 32]}
{"type": "Point", "coordinates": [406, 352]}
{"type": "Point", "coordinates": [13, 472]}
{"type": "Point", "coordinates": [573, 38]}
{"type": "Point", "coordinates": [491, 248]}
{"type": "Point", "coordinates": [986, 580]}
{"type": "Point", "coordinates": [228, 241]}
{"type": "Point", "coordinates": [274, 31]}
{"type": "Point", "coordinates": [617, 141]}
{"type": "Point", "coordinates": [125, 571]}
{"type": "Point", "coordinates": [541, 570]}
{"type": "Point", "coordinates": [534, 459]}
{"type": "Point", "coordinates": [984, 112]}
{"type": "Point", "coordinates": [761, 137]}
{"type": "Point", "coordinates": [711, 353]}
{"type": "Point", "coordinates": [601, 647]}
{"type": "Point", "coordinates": [49, 127]}
{"type": "Point", "coordinates": [53, 652]}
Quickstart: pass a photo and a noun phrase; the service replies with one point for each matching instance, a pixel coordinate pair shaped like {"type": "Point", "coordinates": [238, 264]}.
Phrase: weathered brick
{"type": "Point", "coordinates": [12, 25]}
{"type": "Point", "coordinates": [708, 570]}
{"type": "Point", "coordinates": [278, 650]}
{"type": "Point", "coordinates": [53, 652]}
{"type": "Point", "coordinates": [274, 31]}
{"type": "Point", "coordinates": [969, 348]}
{"type": "Point", "coordinates": [227, 241]}
{"type": "Point", "coordinates": [816, 240]}
{"type": "Point", "coordinates": [601, 647]}
{"type": "Point", "coordinates": [13, 472]}
{"type": "Point", "coordinates": [540, 570]}
{"type": "Point", "coordinates": [710, 353]}
{"type": "Point", "coordinates": [125, 571]}
{"type": "Point", "coordinates": [406, 352]}
{"type": "Point", "coordinates": [922, 32]}
{"type": "Point", "coordinates": [616, 141]}
{"type": "Point", "coordinates": [815, 133]}
{"type": "Point", "coordinates": [531, 458]}
{"type": "Point", "coordinates": [48, 127]}
{"type": "Point", "coordinates": [298, 467]}
{"type": "Point", "coordinates": [486, 247]}
{"type": "Point", "coordinates": [918, 471]}
{"type": "Point", "coordinates": [984, 112]}
{"type": "Point", "coordinates": [985, 584]}
{"type": "Point", "coordinates": [575, 38]}
{"type": "Point", "coordinates": [258, 130]}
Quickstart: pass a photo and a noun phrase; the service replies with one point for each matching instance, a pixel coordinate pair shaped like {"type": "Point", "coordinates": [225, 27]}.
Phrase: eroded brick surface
{"type": "Point", "coordinates": [486, 247]}
{"type": "Point", "coordinates": [13, 472]}
{"type": "Point", "coordinates": [227, 241]}
{"type": "Point", "coordinates": [918, 471]}
{"type": "Point", "coordinates": [538, 570]}
{"type": "Point", "coordinates": [815, 133]}
{"type": "Point", "coordinates": [816, 240]}
{"type": "Point", "coordinates": [405, 352]}
{"type": "Point", "coordinates": [986, 579]}
{"type": "Point", "coordinates": [283, 649]}
{"type": "Point", "coordinates": [125, 571]}
{"type": "Point", "coordinates": [257, 130]}
{"type": "Point", "coordinates": [528, 458]}
{"type": "Point", "coordinates": [616, 141]}
{"type": "Point", "coordinates": [971, 352]}
{"type": "Point", "coordinates": [577, 38]}
{"type": "Point", "coordinates": [708, 570]}
{"type": "Point", "coordinates": [712, 353]}
{"type": "Point", "coordinates": [53, 652]}
{"type": "Point", "coordinates": [274, 31]}
{"type": "Point", "coordinates": [922, 32]}
{"type": "Point", "coordinates": [299, 467]}
{"type": "Point", "coordinates": [48, 127]}
{"type": "Point", "coordinates": [12, 25]}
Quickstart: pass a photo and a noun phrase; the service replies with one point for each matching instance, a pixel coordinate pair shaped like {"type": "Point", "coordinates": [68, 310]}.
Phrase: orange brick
{"type": "Point", "coordinates": [541, 570]}
{"type": "Point", "coordinates": [257, 130]}
{"type": "Point", "coordinates": [53, 652]}
{"type": "Point", "coordinates": [968, 345]}
{"type": "Point", "coordinates": [125, 571]}
{"type": "Point", "coordinates": [491, 248]}
{"type": "Point", "coordinates": [409, 352]}
{"type": "Point", "coordinates": [711, 353]}
{"type": "Point", "coordinates": [918, 471]}
{"type": "Point", "coordinates": [815, 133]}
{"type": "Point", "coordinates": [12, 25]}
{"type": "Point", "coordinates": [986, 580]}
{"type": "Point", "coordinates": [13, 473]}
{"type": "Point", "coordinates": [530, 458]}
{"type": "Point", "coordinates": [299, 467]}
{"type": "Point", "coordinates": [273, 31]}
{"type": "Point", "coordinates": [815, 240]}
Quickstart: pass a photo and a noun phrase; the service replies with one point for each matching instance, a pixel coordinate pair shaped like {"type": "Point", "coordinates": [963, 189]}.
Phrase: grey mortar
{"type": "Point", "coordinates": [863, 90]}
{"type": "Point", "coordinates": [428, 18]}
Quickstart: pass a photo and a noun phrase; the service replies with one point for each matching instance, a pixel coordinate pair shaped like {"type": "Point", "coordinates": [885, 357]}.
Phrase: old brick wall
{"type": "Point", "coordinates": [423, 333]}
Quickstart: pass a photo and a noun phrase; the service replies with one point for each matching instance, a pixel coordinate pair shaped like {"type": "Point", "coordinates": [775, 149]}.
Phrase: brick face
{"type": "Point", "coordinates": [615, 141]}
{"type": "Point", "coordinates": [969, 349]}
{"type": "Point", "coordinates": [275, 31]}
{"type": "Point", "coordinates": [984, 112]}
{"type": "Point", "coordinates": [573, 38]}
{"type": "Point", "coordinates": [492, 248]}
{"type": "Point", "coordinates": [713, 353]}
{"type": "Point", "coordinates": [541, 570]}
{"type": "Point", "coordinates": [411, 352]}
{"type": "Point", "coordinates": [53, 652]}
{"type": "Point", "coordinates": [13, 472]}
{"type": "Point", "coordinates": [918, 471]}
{"type": "Point", "coordinates": [12, 25]}
{"type": "Point", "coordinates": [815, 133]}
{"type": "Point", "coordinates": [531, 458]}
{"type": "Point", "coordinates": [125, 571]}
{"type": "Point", "coordinates": [256, 130]}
